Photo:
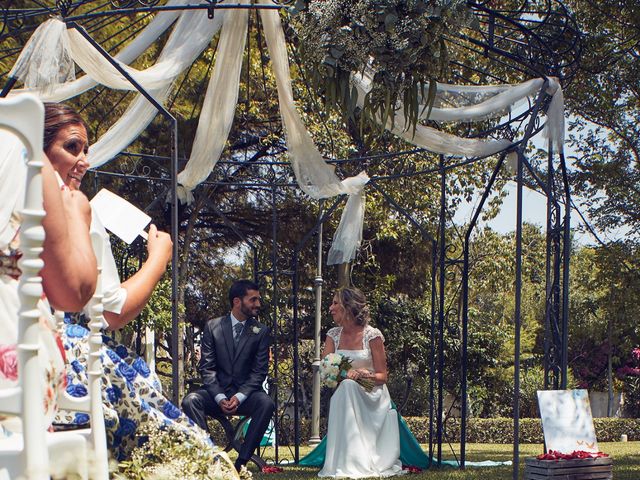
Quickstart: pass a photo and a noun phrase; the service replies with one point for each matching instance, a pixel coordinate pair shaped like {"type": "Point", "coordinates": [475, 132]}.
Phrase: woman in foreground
{"type": "Point", "coordinates": [68, 277]}
{"type": "Point", "coordinates": [132, 394]}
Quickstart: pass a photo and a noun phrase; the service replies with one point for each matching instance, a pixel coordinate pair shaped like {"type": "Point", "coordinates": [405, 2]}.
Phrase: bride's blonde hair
{"type": "Point", "coordinates": [355, 304]}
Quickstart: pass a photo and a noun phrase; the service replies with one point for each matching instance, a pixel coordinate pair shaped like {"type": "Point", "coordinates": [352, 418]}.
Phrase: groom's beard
{"type": "Point", "coordinates": [248, 311]}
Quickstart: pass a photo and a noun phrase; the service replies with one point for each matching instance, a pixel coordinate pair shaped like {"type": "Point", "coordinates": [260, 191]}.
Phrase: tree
{"type": "Point", "coordinates": [604, 99]}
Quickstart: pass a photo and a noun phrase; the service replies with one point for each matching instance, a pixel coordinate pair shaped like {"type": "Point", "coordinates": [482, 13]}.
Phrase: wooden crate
{"type": "Point", "coordinates": [577, 469]}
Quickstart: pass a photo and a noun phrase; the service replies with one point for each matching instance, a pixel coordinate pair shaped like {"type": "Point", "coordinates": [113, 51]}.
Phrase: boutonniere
{"type": "Point", "coordinates": [255, 330]}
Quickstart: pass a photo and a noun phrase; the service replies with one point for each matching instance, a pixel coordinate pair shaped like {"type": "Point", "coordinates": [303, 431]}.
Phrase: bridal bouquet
{"type": "Point", "coordinates": [334, 368]}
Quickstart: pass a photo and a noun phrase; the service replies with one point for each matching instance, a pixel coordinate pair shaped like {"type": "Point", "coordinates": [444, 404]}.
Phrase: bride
{"type": "Point", "coordinates": [362, 434]}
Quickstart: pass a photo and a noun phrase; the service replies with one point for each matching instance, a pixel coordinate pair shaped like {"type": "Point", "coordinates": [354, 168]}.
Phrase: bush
{"type": "Point", "coordinates": [479, 430]}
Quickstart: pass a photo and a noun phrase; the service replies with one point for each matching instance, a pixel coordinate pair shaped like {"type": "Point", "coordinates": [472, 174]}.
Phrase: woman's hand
{"type": "Point", "coordinates": [355, 374]}
{"type": "Point", "coordinates": [159, 245]}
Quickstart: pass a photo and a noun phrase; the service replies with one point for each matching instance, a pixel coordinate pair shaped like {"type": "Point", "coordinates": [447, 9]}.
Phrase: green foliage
{"type": "Point", "coordinates": [401, 41]}
{"type": "Point", "coordinates": [603, 312]}
{"type": "Point", "coordinates": [157, 312]}
{"type": "Point", "coordinates": [604, 101]}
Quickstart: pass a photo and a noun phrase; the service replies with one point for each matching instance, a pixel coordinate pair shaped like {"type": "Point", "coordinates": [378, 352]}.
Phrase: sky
{"type": "Point", "coordinates": [534, 207]}
{"type": "Point", "coordinates": [534, 210]}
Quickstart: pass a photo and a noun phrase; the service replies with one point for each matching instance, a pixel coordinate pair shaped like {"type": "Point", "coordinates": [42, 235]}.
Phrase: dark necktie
{"type": "Point", "coordinates": [237, 331]}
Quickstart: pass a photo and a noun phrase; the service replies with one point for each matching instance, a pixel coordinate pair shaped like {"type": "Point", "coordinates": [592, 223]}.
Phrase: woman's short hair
{"type": "Point", "coordinates": [57, 116]}
{"type": "Point", "coordinates": [355, 304]}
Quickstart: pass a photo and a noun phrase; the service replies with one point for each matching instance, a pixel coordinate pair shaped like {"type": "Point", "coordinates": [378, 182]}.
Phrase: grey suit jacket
{"type": "Point", "coordinates": [228, 370]}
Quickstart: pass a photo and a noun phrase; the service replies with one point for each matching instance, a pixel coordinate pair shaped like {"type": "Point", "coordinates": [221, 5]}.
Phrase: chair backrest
{"type": "Point", "coordinates": [95, 371]}
{"type": "Point", "coordinates": [24, 116]}
{"type": "Point", "coordinates": [93, 406]}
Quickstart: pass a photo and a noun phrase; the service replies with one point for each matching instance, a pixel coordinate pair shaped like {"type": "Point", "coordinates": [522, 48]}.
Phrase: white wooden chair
{"type": "Point", "coordinates": [29, 455]}
{"type": "Point", "coordinates": [96, 434]}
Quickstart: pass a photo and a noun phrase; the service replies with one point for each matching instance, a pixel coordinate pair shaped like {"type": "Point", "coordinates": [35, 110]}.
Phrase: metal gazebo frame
{"type": "Point", "coordinates": [528, 40]}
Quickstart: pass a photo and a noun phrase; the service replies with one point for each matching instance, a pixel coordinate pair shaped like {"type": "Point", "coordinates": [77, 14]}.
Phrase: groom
{"type": "Point", "coordinates": [234, 363]}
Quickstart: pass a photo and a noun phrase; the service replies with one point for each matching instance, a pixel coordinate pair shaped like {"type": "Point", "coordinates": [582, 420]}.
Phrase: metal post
{"type": "Point", "coordinates": [517, 322]}
{"type": "Point", "coordinates": [275, 329]}
{"type": "Point", "coordinates": [315, 402]}
{"type": "Point", "coordinates": [548, 263]}
{"type": "Point", "coordinates": [432, 346]}
{"type": "Point", "coordinates": [441, 304]}
{"type": "Point", "coordinates": [8, 86]}
{"type": "Point", "coordinates": [566, 244]}
{"type": "Point", "coordinates": [177, 381]}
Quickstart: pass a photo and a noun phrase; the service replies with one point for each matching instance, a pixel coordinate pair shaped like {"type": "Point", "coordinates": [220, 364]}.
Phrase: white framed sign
{"type": "Point", "coordinates": [566, 420]}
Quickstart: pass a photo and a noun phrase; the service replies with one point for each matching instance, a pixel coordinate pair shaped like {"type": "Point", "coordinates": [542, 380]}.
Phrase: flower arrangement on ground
{"type": "Point", "coordinates": [334, 368]}
{"type": "Point", "coordinates": [166, 452]}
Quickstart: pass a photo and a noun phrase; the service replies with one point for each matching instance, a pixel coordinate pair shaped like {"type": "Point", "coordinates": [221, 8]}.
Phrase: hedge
{"type": "Point", "coordinates": [500, 430]}
{"type": "Point", "coordinates": [479, 430]}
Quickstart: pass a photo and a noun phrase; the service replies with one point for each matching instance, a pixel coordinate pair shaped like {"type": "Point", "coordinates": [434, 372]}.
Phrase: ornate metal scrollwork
{"type": "Point", "coordinates": [120, 4]}
{"type": "Point", "coordinates": [14, 20]}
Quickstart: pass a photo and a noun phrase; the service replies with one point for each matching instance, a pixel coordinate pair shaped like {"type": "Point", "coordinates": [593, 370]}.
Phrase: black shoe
{"type": "Point", "coordinates": [239, 464]}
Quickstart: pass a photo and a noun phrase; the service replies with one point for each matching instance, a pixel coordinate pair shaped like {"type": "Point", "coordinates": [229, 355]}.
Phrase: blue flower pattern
{"type": "Point", "coordinates": [76, 331]}
{"type": "Point", "coordinates": [141, 367]}
{"type": "Point", "coordinates": [77, 390]}
{"type": "Point", "coordinates": [115, 358]}
{"type": "Point", "coordinates": [126, 371]}
{"type": "Point", "coordinates": [77, 366]}
{"type": "Point", "coordinates": [114, 394]}
{"type": "Point", "coordinates": [170, 410]}
{"type": "Point", "coordinates": [122, 351]}
{"type": "Point", "coordinates": [82, 418]}
{"type": "Point", "coordinates": [131, 391]}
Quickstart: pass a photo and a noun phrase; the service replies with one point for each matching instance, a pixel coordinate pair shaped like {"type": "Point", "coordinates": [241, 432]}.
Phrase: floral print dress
{"type": "Point", "coordinates": [131, 393]}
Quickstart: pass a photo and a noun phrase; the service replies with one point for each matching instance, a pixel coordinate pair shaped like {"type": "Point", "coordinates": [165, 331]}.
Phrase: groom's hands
{"type": "Point", "coordinates": [230, 406]}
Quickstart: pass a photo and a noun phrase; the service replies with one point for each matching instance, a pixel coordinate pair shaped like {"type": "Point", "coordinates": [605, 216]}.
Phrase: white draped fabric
{"type": "Point", "coordinates": [46, 62]}
{"type": "Point", "coordinates": [315, 177]}
{"type": "Point", "coordinates": [69, 89]}
{"type": "Point", "coordinates": [479, 103]}
{"type": "Point", "coordinates": [190, 36]}
{"type": "Point", "coordinates": [219, 105]}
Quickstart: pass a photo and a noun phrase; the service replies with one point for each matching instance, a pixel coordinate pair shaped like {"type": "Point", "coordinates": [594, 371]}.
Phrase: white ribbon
{"type": "Point", "coordinates": [219, 104]}
{"type": "Point", "coordinates": [45, 61]}
{"type": "Point", "coordinates": [315, 177]}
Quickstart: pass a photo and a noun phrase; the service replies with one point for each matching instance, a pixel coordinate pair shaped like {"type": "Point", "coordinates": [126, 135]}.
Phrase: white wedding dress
{"type": "Point", "coordinates": [362, 436]}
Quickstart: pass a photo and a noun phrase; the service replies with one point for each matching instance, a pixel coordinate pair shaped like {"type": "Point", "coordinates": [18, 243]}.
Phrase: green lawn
{"type": "Point", "coordinates": [626, 463]}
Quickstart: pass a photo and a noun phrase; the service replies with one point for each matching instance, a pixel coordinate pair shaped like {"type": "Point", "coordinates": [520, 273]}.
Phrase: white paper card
{"type": "Point", "coordinates": [566, 420]}
{"type": "Point", "coordinates": [120, 217]}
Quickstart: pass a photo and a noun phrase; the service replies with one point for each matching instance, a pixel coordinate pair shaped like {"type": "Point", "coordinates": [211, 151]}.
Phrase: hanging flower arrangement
{"type": "Point", "coordinates": [400, 41]}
